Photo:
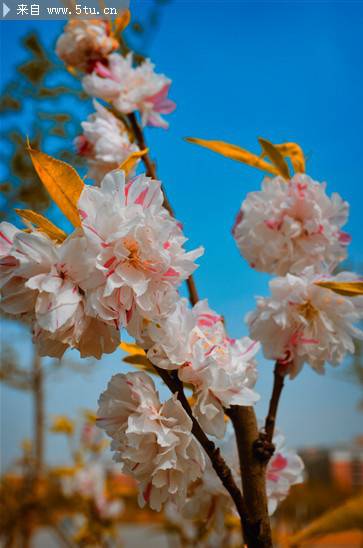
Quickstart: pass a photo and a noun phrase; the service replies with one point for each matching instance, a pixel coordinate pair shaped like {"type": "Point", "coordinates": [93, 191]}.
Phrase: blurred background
{"type": "Point", "coordinates": [286, 71]}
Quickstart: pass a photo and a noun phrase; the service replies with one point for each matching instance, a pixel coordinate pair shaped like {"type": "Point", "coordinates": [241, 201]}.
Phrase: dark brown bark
{"type": "Point", "coordinates": [279, 378]}
{"type": "Point", "coordinates": [257, 529]}
{"type": "Point", "coordinates": [222, 470]}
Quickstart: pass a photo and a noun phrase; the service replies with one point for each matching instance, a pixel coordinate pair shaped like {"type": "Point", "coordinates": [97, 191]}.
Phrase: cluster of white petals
{"type": "Point", "coordinates": [45, 283]}
{"type": "Point", "coordinates": [284, 469]}
{"type": "Point", "coordinates": [89, 482]}
{"type": "Point", "coordinates": [105, 143]}
{"type": "Point", "coordinates": [85, 42]}
{"type": "Point", "coordinates": [152, 440]}
{"type": "Point", "coordinates": [140, 254]}
{"type": "Point", "coordinates": [304, 322]}
{"type": "Point", "coordinates": [221, 370]}
{"type": "Point", "coordinates": [290, 225]}
{"type": "Point", "coordinates": [122, 265]}
{"type": "Point", "coordinates": [131, 89]}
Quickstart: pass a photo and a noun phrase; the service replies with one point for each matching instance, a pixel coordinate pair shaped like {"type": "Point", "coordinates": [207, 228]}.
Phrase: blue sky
{"type": "Point", "coordinates": [284, 71]}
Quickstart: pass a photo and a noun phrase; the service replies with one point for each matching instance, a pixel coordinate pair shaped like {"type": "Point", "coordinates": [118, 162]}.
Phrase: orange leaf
{"type": "Point", "coordinates": [348, 289]}
{"type": "Point", "coordinates": [43, 224]}
{"type": "Point", "coordinates": [235, 153]}
{"type": "Point", "coordinates": [132, 349]}
{"type": "Point", "coordinates": [130, 162]}
{"type": "Point", "coordinates": [295, 153]}
{"type": "Point", "coordinates": [122, 21]}
{"type": "Point", "coordinates": [62, 182]}
{"type": "Point", "coordinates": [276, 157]}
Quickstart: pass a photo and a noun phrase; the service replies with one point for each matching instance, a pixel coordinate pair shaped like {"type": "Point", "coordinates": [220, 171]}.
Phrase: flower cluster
{"type": "Point", "coordinates": [222, 371]}
{"type": "Point", "coordinates": [304, 322]}
{"type": "Point", "coordinates": [45, 283]}
{"type": "Point", "coordinates": [105, 143]}
{"type": "Point", "coordinates": [290, 225]}
{"type": "Point", "coordinates": [131, 89]}
{"type": "Point", "coordinates": [153, 441]}
{"type": "Point", "coordinates": [140, 254]}
{"type": "Point", "coordinates": [90, 47]}
{"type": "Point", "coordinates": [293, 229]}
{"type": "Point", "coordinates": [85, 43]}
{"type": "Point", "coordinates": [122, 265]}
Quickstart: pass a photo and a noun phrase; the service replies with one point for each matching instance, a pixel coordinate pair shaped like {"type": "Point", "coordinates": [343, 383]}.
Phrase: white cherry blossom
{"type": "Point", "coordinates": [105, 143]}
{"type": "Point", "coordinates": [131, 89]}
{"type": "Point", "coordinates": [221, 370]}
{"type": "Point", "coordinates": [46, 283]}
{"type": "Point", "coordinates": [85, 42]}
{"type": "Point", "coordinates": [303, 322]}
{"type": "Point", "coordinates": [140, 250]}
{"type": "Point", "coordinates": [153, 441]}
{"type": "Point", "coordinates": [290, 225]}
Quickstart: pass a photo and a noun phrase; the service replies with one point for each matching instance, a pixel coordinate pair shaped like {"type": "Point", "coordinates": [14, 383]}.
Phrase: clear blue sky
{"type": "Point", "coordinates": [284, 71]}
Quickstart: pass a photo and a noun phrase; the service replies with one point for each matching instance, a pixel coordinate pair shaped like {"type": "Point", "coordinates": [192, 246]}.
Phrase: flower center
{"type": "Point", "coordinates": [134, 258]}
{"type": "Point", "coordinates": [307, 310]}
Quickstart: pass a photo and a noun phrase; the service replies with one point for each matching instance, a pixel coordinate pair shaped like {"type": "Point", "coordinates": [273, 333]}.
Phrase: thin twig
{"type": "Point", "coordinates": [264, 447]}
{"type": "Point", "coordinates": [279, 378]}
{"type": "Point", "coordinates": [222, 470]}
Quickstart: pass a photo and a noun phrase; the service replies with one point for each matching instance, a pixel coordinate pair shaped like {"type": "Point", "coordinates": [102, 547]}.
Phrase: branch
{"type": "Point", "coordinates": [279, 378]}
{"type": "Point", "coordinates": [263, 446]}
{"type": "Point", "coordinates": [222, 470]}
{"type": "Point", "coordinates": [253, 471]}
{"type": "Point", "coordinates": [151, 172]}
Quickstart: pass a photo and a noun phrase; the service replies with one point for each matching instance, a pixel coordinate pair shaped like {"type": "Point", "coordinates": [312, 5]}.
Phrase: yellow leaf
{"type": "Point", "coordinates": [139, 360]}
{"type": "Point", "coordinates": [62, 182]}
{"type": "Point", "coordinates": [235, 153]}
{"type": "Point", "coordinates": [130, 162]}
{"type": "Point", "coordinates": [346, 517]}
{"type": "Point", "coordinates": [43, 224]}
{"type": "Point", "coordinates": [276, 157]}
{"type": "Point", "coordinates": [122, 21]}
{"type": "Point", "coordinates": [348, 289]}
{"type": "Point", "coordinates": [295, 153]}
{"type": "Point", "coordinates": [132, 349]}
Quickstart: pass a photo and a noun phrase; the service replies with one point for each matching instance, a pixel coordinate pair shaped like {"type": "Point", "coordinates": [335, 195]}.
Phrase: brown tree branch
{"type": "Point", "coordinates": [221, 468]}
{"type": "Point", "coordinates": [279, 378]}
{"type": "Point", "coordinates": [264, 447]}
{"type": "Point", "coordinates": [253, 472]}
